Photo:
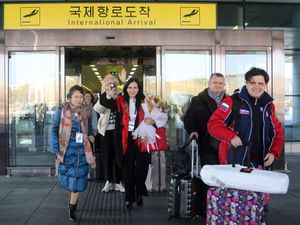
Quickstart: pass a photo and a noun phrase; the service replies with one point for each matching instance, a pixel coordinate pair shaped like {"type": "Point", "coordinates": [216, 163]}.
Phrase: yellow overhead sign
{"type": "Point", "coordinates": [109, 16]}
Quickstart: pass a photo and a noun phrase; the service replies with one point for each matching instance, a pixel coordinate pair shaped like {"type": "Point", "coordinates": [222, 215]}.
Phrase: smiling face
{"type": "Point", "coordinates": [76, 98]}
{"type": "Point", "coordinates": [256, 86]}
{"type": "Point", "coordinates": [216, 85]}
{"type": "Point", "coordinates": [132, 89]}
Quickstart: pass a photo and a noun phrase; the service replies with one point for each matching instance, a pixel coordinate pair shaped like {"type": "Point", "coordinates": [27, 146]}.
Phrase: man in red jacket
{"type": "Point", "coordinates": [254, 121]}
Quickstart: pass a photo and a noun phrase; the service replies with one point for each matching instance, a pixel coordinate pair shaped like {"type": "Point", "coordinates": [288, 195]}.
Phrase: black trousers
{"type": "Point", "coordinates": [112, 172]}
{"type": "Point", "coordinates": [135, 168]}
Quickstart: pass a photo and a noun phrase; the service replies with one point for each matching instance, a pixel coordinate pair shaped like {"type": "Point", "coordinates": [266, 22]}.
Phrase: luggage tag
{"type": "Point", "coordinates": [79, 137]}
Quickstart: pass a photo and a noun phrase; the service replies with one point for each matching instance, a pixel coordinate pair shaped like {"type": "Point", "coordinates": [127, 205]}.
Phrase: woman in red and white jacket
{"type": "Point", "coordinates": [134, 162]}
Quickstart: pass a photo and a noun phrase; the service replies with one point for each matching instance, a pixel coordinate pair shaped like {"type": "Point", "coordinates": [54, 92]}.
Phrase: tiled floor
{"type": "Point", "coordinates": [40, 201]}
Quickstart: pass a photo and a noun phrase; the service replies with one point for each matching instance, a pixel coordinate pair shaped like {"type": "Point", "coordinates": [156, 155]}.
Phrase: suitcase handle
{"type": "Point", "coordinates": [195, 159]}
{"type": "Point", "coordinates": [183, 147]}
{"type": "Point", "coordinates": [233, 157]}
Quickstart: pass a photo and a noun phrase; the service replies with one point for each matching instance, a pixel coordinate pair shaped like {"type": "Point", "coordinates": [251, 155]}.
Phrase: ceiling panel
{"type": "Point", "coordinates": [106, 60]}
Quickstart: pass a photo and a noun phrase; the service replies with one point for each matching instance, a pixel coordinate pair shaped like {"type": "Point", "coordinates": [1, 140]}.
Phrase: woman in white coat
{"type": "Point", "coordinates": [106, 128]}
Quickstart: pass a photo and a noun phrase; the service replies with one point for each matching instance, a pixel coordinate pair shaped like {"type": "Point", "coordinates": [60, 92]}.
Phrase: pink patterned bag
{"type": "Point", "coordinates": [232, 206]}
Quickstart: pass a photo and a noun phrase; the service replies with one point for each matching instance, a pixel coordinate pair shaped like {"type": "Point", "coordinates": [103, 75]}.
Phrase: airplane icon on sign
{"type": "Point", "coordinates": [30, 16]}
{"type": "Point", "coordinates": [34, 12]}
{"type": "Point", "coordinates": [194, 12]}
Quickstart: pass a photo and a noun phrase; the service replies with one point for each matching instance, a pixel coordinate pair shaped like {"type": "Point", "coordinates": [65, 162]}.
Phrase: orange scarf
{"type": "Point", "coordinates": [65, 130]}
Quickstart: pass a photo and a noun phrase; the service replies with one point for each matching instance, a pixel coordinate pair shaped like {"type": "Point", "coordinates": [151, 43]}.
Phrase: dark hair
{"type": "Point", "coordinates": [217, 75]}
{"type": "Point", "coordinates": [73, 89]}
{"type": "Point", "coordinates": [92, 96]}
{"type": "Point", "coordinates": [254, 71]}
{"type": "Point", "coordinates": [139, 96]}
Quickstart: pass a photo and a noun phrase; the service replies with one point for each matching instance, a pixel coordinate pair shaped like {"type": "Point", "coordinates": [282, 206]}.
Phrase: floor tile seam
{"type": "Point", "coordinates": [90, 200]}
{"type": "Point", "coordinates": [84, 204]}
{"type": "Point", "coordinates": [99, 203]}
{"type": "Point", "coordinates": [13, 189]}
{"type": "Point", "coordinates": [41, 202]}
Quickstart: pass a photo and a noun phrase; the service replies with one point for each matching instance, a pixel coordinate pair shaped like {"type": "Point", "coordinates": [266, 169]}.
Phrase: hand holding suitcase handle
{"type": "Point", "coordinates": [233, 158]}
{"type": "Point", "coordinates": [187, 143]}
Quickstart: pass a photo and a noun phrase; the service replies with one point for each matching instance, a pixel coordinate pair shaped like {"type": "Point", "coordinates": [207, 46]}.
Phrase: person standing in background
{"type": "Point", "coordinates": [195, 122]}
{"type": "Point", "coordinates": [106, 128]}
{"type": "Point", "coordinates": [70, 143]}
{"type": "Point", "coordinates": [89, 102]}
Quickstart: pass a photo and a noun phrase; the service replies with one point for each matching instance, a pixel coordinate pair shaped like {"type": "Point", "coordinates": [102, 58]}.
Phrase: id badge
{"type": "Point", "coordinates": [79, 137]}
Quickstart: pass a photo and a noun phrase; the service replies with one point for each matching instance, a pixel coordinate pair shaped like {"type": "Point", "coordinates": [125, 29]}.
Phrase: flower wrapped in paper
{"type": "Point", "coordinates": [147, 135]}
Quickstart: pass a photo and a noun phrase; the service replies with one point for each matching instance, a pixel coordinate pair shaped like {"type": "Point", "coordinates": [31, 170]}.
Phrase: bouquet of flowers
{"type": "Point", "coordinates": [156, 109]}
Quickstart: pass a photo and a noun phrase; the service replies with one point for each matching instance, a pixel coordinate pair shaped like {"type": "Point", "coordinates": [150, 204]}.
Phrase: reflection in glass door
{"type": "Point", "coordinates": [238, 62]}
{"type": "Point", "coordinates": [185, 74]}
{"type": "Point", "coordinates": [33, 98]}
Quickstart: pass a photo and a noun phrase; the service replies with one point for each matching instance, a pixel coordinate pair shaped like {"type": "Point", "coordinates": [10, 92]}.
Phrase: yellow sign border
{"type": "Point", "coordinates": [110, 16]}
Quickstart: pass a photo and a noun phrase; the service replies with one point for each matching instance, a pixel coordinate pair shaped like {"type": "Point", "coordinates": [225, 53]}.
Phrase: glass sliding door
{"type": "Point", "coordinates": [33, 98]}
{"type": "Point", "coordinates": [292, 97]}
{"type": "Point", "coordinates": [185, 74]}
{"type": "Point", "coordinates": [238, 61]}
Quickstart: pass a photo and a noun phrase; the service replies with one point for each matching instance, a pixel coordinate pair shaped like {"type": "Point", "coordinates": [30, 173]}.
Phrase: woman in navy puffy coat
{"type": "Point", "coordinates": [69, 141]}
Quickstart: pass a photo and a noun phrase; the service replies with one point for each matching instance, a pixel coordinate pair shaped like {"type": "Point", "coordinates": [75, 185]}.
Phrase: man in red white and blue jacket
{"type": "Point", "coordinates": [254, 122]}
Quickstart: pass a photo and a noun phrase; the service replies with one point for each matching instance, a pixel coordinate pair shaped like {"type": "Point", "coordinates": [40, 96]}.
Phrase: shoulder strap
{"type": "Point", "coordinates": [236, 105]}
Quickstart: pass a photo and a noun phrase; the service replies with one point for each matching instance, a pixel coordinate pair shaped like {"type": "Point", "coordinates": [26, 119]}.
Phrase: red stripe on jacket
{"type": "Point", "coordinates": [124, 109]}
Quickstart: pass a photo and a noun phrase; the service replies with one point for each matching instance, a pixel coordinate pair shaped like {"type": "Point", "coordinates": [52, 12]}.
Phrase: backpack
{"type": "Point", "coordinates": [182, 160]}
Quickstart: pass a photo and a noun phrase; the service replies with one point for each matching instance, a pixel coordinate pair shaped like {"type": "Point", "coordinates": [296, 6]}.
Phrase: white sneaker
{"type": "Point", "coordinates": [108, 187]}
{"type": "Point", "coordinates": [119, 187]}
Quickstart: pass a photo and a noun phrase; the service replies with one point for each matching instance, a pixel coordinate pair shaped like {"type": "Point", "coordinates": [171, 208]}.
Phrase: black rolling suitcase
{"type": "Point", "coordinates": [184, 198]}
{"type": "Point", "coordinates": [185, 191]}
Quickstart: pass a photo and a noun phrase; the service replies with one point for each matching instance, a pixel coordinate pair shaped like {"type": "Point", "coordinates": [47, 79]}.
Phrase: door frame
{"type": "Point", "coordinates": [8, 51]}
{"type": "Point", "coordinates": [164, 49]}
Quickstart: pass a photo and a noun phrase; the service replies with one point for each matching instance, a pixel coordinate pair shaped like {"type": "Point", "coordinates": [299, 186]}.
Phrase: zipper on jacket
{"type": "Point", "coordinates": [264, 124]}
{"type": "Point", "coordinates": [251, 127]}
{"type": "Point", "coordinates": [78, 161]}
{"type": "Point", "coordinates": [77, 168]}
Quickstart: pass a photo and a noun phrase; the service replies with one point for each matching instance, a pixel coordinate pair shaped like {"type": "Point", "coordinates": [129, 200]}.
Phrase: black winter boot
{"type": "Point", "coordinates": [72, 209]}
